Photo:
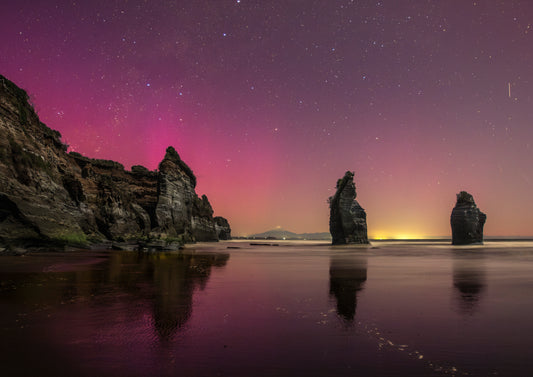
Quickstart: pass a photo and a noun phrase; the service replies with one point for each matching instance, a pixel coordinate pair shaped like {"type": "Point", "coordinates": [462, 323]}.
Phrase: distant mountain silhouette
{"type": "Point", "coordinates": [281, 234]}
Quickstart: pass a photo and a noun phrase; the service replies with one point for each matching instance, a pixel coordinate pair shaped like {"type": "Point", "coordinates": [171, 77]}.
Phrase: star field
{"type": "Point", "coordinates": [271, 102]}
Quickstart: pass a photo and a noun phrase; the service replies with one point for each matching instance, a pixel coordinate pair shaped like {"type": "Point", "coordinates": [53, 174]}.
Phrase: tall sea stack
{"type": "Point", "coordinates": [467, 221]}
{"type": "Point", "coordinates": [347, 219]}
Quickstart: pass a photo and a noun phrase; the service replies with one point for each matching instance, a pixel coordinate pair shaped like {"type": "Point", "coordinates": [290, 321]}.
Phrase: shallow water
{"type": "Point", "coordinates": [297, 309]}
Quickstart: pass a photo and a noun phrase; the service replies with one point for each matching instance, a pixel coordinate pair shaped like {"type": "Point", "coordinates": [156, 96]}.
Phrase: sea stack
{"type": "Point", "coordinates": [467, 221]}
{"type": "Point", "coordinates": [347, 219]}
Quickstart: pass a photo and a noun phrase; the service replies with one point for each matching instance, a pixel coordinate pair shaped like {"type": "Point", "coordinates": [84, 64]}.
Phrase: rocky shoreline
{"type": "Point", "coordinates": [51, 198]}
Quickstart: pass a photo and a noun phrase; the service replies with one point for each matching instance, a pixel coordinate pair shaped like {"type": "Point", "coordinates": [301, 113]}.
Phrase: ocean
{"type": "Point", "coordinates": [279, 309]}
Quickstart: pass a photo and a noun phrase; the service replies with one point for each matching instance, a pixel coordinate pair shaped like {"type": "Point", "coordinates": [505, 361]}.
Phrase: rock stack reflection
{"type": "Point", "coordinates": [347, 276]}
{"type": "Point", "coordinates": [469, 280]}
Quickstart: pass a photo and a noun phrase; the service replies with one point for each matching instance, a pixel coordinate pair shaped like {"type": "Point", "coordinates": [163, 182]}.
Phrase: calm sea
{"type": "Point", "coordinates": [296, 309]}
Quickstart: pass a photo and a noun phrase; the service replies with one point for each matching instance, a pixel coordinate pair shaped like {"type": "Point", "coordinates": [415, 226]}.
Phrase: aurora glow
{"type": "Point", "coordinates": [270, 102]}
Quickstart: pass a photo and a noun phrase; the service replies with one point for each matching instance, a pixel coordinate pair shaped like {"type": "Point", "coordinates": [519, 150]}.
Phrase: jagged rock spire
{"type": "Point", "coordinates": [347, 221]}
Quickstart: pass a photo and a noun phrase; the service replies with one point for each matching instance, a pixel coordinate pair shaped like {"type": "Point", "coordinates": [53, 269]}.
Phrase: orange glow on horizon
{"type": "Point", "coordinates": [387, 235]}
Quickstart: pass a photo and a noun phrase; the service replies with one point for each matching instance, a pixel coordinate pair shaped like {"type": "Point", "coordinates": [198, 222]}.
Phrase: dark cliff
{"type": "Point", "coordinates": [223, 228]}
{"type": "Point", "coordinates": [467, 221]}
{"type": "Point", "coordinates": [49, 195]}
{"type": "Point", "coordinates": [347, 221]}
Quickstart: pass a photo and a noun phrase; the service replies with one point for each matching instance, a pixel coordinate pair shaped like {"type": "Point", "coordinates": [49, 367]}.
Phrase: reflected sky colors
{"type": "Point", "coordinates": [393, 309]}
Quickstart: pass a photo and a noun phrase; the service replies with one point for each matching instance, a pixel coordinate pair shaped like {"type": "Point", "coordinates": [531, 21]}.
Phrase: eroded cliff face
{"type": "Point", "coordinates": [47, 194]}
{"type": "Point", "coordinates": [467, 221]}
{"type": "Point", "coordinates": [347, 221]}
{"type": "Point", "coordinates": [222, 228]}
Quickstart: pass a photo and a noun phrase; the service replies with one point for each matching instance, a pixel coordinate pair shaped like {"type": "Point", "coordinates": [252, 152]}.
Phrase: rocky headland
{"type": "Point", "coordinates": [347, 220]}
{"type": "Point", "coordinates": [467, 221]}
{"type": "Point", "coordinates": [49, 196]}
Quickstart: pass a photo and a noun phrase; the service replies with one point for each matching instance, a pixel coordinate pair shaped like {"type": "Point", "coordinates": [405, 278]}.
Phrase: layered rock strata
{"type": "Point", "coordinates": [47, 194]}
{"type": "Point", "coordinates": [467, 221]}
{"type": "Point", "coordinates": [347, 221]}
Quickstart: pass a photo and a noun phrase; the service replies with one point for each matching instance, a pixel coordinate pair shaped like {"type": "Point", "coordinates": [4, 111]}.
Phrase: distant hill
{"type": "Point", "coordinates": [280, 234]}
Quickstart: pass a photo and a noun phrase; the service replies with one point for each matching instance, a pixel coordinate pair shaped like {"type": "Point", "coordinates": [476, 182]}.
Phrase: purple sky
{"type": "Point", "coordinates": [270, 102]}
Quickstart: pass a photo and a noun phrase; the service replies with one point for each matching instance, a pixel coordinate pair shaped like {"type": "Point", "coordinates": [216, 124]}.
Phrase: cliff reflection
{"type": "Point", "coordinates": [163, 283]}
{"type": "Point", "coordinates": [175, 280]}
{"type": "Point", "coordinates": [469, 280]}
{"type": "Point", "coordinates": [347, 276]}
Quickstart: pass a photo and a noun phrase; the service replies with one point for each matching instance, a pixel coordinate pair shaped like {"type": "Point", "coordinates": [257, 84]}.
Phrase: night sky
{"type": "Point", "coordinates": [270, 102]}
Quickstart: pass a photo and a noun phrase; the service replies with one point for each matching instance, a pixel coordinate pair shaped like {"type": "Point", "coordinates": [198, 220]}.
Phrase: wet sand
{"type": "Point", "coordinates": [300, 308]}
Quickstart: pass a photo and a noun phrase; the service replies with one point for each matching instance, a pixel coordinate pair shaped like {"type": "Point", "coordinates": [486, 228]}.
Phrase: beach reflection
{"type": "Point", "coordinates": [469, 280]}
{"type": "Point", "coordinates": [347, 276]}
{"type": "Point", "coordinates": [175, 280]}
{"type": "Point", "coordinates": [290, 310]}
{"type": "Point", "coordinates": [163, 282]}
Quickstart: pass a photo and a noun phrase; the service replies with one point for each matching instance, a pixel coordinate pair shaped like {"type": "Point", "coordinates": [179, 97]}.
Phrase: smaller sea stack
{"type": "Point", "coordinates": [347, 219]}
{"type": "Point", "coordinates": [467, 221]}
